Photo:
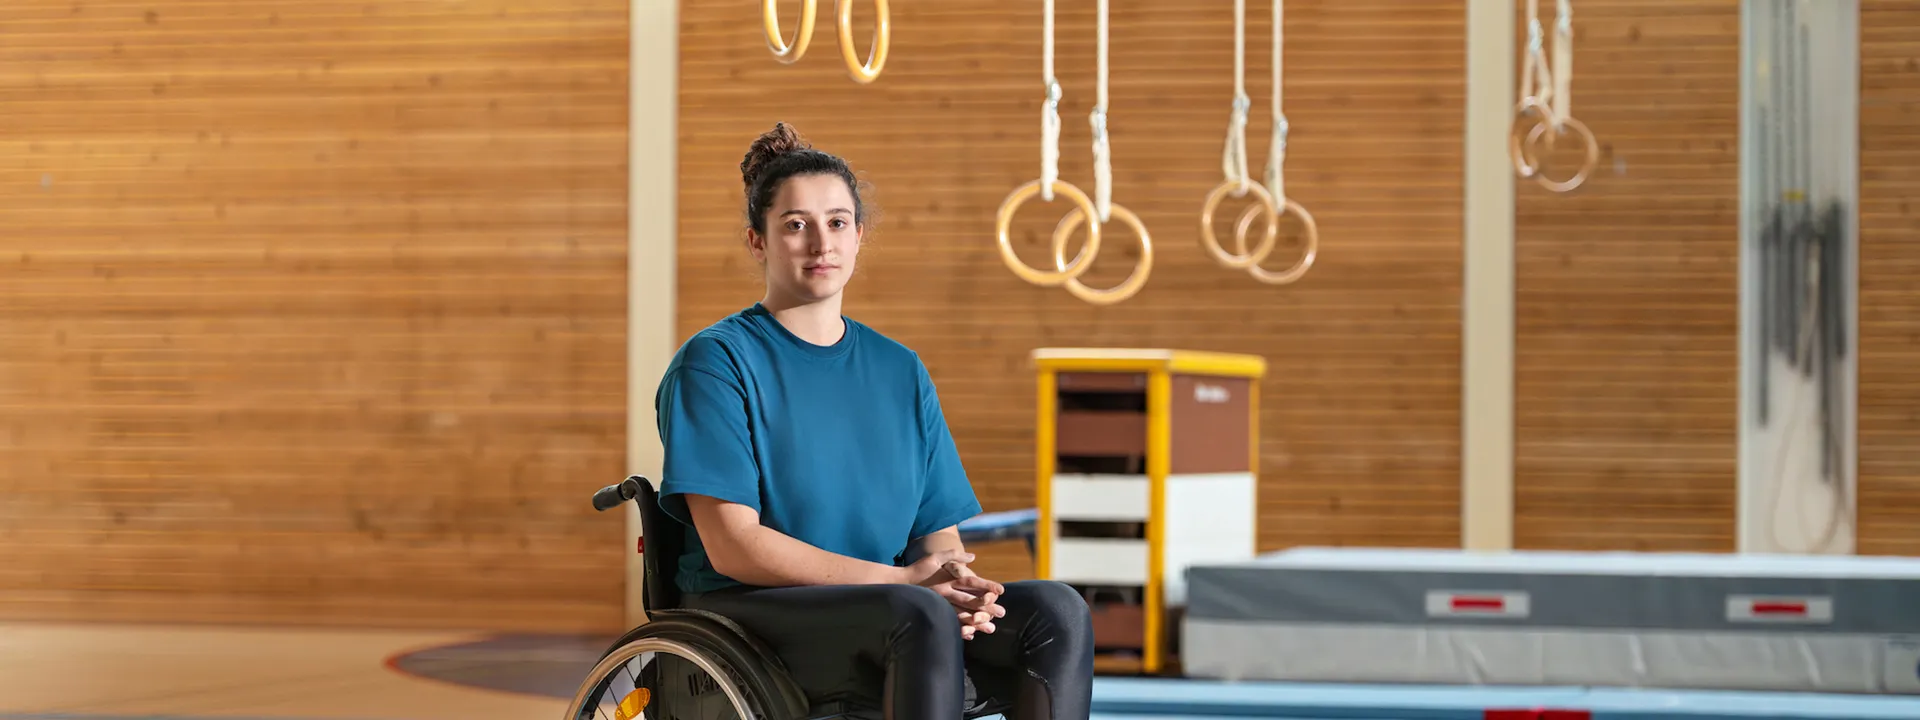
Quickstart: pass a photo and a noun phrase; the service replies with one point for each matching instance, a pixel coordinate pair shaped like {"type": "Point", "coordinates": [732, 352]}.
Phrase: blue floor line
{"type": "Point", "coordinates": [1409, 702]}
{"type": "Point", "coordinates": [1267, 699]}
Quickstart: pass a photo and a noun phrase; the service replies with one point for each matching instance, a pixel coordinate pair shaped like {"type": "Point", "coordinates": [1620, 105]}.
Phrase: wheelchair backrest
{"type": "Point", "coordinates": [663, 539]}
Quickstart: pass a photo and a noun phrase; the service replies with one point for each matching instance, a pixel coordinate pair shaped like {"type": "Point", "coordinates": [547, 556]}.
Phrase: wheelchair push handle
{"type": "Point", "coordinates": [611, 496]}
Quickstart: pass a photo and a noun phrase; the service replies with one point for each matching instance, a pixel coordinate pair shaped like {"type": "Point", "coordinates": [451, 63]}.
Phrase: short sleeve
{"type": "Point", "coordinates": [947, 497]}
{"type": "Point", "coordinates": [707, 446]}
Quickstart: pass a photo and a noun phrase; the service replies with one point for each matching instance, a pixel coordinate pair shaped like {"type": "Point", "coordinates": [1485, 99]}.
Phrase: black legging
{"type": "Point", "coordinates": [844, 642]}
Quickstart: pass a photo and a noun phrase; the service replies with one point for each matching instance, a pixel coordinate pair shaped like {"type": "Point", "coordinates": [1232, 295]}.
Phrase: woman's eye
{"type": "Point", "coordinates": [795, 225]}
{"type": "Point", "coordinates": [838, 223]}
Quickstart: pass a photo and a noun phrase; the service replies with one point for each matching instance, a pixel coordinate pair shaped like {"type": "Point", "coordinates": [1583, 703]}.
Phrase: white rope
{"type": "Point", "coordinates": [1527, 68]}
{"type": "Point", "coordinates": [1563, 64]}
{"type": "Point", "coordinates": [1552, 87]}
{"type": "Point", "coordinates": [1102, 149]}
{"type": "Point", "coordinates": [1233, 157]}
{"type": "Point", "coordinates": [1534, 76]}
{"type": "Point", "coordinates": [1049, 113]}
{"type": "Point", "coordinates": [1277, 152]}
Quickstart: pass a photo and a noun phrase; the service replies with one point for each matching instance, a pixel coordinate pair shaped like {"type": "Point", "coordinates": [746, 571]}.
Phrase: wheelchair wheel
{"type": "Point", "coordinates": [687, 665]}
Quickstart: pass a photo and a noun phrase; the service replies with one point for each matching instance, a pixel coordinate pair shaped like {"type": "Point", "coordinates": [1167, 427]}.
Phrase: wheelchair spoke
{"type": "Point", "coordinates": [627, 668]}
{"type": "Point", "coordinates": [703, 677]}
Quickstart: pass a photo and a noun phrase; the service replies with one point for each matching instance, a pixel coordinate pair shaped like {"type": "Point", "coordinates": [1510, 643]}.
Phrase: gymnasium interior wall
{"type": "Point", "coordinates": [1627, 291]}
{"type": "Point", "coordinates": [1627, 298]}
{"type": "Point", "coordinates": [313, 312]}
{"type": "Point", "coordinates": [1361, 408]}
{"type": "Point", "coordinates": [319, 312]}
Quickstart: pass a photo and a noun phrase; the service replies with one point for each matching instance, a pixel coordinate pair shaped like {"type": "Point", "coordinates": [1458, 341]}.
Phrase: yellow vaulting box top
{"type": "Point", "coordinates": [1191, 362]}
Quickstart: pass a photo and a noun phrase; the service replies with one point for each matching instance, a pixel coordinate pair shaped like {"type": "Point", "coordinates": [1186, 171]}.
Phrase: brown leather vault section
{"type": "Point", "coordinates": [1211, 432]}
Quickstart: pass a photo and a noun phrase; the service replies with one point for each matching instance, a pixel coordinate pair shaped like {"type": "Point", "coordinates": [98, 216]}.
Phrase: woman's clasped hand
{"type": "Point", "coordinates": [972, 596]}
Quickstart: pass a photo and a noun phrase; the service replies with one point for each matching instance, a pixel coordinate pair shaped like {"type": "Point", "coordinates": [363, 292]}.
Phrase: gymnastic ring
{"type": "Point", "coordinates": [788, 54]}
{"type": "Point", "coordinates": [1211, 242]}
{"type": "Point", "coordinates": [1128, 287]}
{"type": "Point", "coordinates": [1586, 168]}
{"type": "Point", "coordinates": [869, 71]}
{"type": "Point", "coordinates": [1004, 222]}
{"type": "Point", "coordinates": [1522, 165]}
{"type": "Point", "coordinates": [1306, 259]}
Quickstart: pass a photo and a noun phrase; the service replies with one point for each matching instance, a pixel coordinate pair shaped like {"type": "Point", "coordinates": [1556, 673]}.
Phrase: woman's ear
{"type": "Point", "coordinates": [757, 245]}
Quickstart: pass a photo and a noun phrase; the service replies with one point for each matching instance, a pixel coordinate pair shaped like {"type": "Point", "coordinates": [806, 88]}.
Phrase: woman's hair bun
{"type": "Point", "coordinates": [782, 139]}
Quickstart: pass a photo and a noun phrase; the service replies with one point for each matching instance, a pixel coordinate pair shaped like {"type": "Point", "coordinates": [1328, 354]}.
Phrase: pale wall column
{"type": "Point", "coordinates": [1800, 157]}
{"type": "Point", "coordinates": [653, 140]}
{"type": "Point", "coordinates": [1486, 393]}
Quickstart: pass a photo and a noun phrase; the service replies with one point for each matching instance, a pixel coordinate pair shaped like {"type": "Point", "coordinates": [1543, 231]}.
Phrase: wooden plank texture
{"type": "Point", "coordinates": [1889, 393]}
{"type": "Point", "coordinates": [1360, 441]}
{"type": "Point", "coordinates": [314, 311]}
{"type": "Point", "coordinates": [1627, 296]}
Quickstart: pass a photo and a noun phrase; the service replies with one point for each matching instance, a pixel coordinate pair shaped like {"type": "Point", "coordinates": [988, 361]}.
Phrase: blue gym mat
{"type": "Point", "coordinates": [1005, 525]}
{"type": "Point", "coordinates": [1172, 699]}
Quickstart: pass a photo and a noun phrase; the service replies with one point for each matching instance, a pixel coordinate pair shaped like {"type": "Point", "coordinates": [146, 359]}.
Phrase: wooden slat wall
{"type": "Point", "coordinates": [1627, 297]}
{"type": "Point", "coordinates": [1361, 412]}
{"type": "Point", "coordinates": [314, 312]}
{"type": "Point", "coordinates": [1889, 392]}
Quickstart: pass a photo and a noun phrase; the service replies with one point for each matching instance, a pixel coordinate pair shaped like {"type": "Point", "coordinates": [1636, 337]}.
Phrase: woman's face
{"type": "Point", "coordinates": [811, 240]}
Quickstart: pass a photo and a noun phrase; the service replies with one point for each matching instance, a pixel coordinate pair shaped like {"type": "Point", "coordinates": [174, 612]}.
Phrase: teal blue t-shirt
{"type": "Point", "coordinates": [843, 446]}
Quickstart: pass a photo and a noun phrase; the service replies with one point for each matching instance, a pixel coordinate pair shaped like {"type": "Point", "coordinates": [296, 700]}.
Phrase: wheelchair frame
{"type": "Point", "coordinates": [746, 672]}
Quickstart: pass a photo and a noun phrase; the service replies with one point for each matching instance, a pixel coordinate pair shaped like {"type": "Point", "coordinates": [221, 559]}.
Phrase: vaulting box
{"type": "Point", "coordinates": [1147, 465]}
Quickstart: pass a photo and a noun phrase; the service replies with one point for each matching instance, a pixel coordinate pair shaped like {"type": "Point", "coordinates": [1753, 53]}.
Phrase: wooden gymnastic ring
{"type": "Point", "coordinates": [1128, 287]}
{"type": "Point", "coordinates": [1211, 242]}
{"type": "Point", "coordinates": [1586, 167]}
{"type": "Point", "coordinates": [868, 71]}
{"type": "Point", "coordinates": [1299, 269]}
{"type": "Point", "coordinates": [1004, 223]}
{"type": "Point", "coordinates": [770, 16]}
{"type": "Point", "coordinates": [1522, 164]}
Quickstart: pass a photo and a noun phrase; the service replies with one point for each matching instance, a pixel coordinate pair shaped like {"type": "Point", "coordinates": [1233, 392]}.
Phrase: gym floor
{"type": "Point", "coordinates": [80, 672]}
{"type": "Point", "coordinates": [150, 672]}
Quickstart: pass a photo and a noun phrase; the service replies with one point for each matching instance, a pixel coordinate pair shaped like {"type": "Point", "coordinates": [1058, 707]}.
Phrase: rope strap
{"type": "Point", "coordinates": [1277, 151]}
{"type": "Point", "coordinates": [1102, 149]}
{"type": "Point", "coordinates": [1049, 113]}
{"type": "Point", "coordinates": [1550, 84]}
{"type": "Point", "coordinates": [1563, 63]}
{"type": "Point", "coordinates": [1233, 156]}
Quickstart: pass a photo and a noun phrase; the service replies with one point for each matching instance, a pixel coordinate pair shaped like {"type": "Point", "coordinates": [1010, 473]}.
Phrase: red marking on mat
{"type": "Point", "coordinates": [640, 546]}
{"type": "Point", "coordinates": [1478, 603]}
{"type": "Point", "coordinates": [1535, 714]}
{"type": "Point", "coordinates": [1788, 609]}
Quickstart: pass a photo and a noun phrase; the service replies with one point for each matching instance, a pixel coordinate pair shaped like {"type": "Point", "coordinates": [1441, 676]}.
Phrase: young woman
{"type": "Point", "coordinates": [809, 457]}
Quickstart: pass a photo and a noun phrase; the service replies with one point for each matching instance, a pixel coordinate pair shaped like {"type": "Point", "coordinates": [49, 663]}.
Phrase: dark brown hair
{"type": "Point", "coordinates": [779, 154]}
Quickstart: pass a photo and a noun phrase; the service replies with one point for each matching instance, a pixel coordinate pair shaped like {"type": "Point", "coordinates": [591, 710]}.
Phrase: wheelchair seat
{"type": "Point", "coordinates": [714, 662]}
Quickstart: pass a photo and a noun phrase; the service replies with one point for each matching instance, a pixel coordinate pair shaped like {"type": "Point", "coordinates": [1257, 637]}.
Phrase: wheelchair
{"type": "Point", "coordinates": [688, 664]}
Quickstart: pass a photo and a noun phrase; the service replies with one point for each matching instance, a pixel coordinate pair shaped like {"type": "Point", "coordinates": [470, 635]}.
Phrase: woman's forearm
{"type": "Point", "coordinates": [766, 557]}
{"type": "Point", "coordinates": [938, 540]}
{"type": "Point", "coordinates": [741, 548]}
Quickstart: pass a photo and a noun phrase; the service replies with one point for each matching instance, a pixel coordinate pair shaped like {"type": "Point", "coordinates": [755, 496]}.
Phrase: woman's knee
{"type": "Point", "coordinates": [918, 606]}
{"type": "Point", "coordinates": [1049, 596]}
{"type": "Point", "coordinates": [1057, 603]}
